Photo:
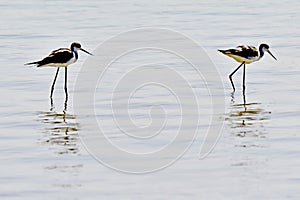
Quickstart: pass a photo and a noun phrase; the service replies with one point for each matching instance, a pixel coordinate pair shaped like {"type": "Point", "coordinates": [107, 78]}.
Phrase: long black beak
{"type": "Point", "coordinates": [86, 51]}
{"type": "Point", "coordinates": [271, 54]}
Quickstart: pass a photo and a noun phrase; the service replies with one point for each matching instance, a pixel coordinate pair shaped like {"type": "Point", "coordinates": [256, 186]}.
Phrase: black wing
{"type": "Point", "coordinates": [61, 55]}
{"type": "Point", "coordinates": [246, 51]}
{"type": "Point", "coordinates": [243, 51]}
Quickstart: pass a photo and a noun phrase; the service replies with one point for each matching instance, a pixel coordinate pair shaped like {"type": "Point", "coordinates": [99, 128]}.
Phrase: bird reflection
{"type": "Point", "coordinates": [248, 119]}
{"type": "Point", "coordinates": [60, 131]}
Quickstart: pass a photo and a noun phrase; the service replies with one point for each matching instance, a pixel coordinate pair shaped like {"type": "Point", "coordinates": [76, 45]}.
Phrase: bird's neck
{"type": "Point", "coordinates": [76, 53]}
{"type": "Point", "coordinates": [261, 52]}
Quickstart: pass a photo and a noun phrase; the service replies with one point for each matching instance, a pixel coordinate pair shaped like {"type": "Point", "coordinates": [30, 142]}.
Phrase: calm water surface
{"type": "Point", "coordinates": [257, 155]}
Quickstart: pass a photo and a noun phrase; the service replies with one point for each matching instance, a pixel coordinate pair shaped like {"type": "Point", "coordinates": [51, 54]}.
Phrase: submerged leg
{"type": "Point", "coordinates": [230, 76]}
{"type": "Point", "coordinates": [52, 87]}
{"type": "Point", "coordinates": [66, 105]}
{"type": "Point", "coordinates": [244, 86]}
{"type": "Point", "coordinates": [66, 89]}
{"type": "Point", "coordinates": [244, 98]}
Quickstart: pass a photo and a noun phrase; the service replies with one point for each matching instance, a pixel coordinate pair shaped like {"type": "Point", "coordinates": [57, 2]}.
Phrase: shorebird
{"type": "Point", "coordinates": [246, 55]}
{"type": "Point", "coordinates": [62, 57]}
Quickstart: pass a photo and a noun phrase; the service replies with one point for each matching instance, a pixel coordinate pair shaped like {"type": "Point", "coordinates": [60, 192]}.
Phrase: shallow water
{"type": "Point", "coordinates": [42, 155]}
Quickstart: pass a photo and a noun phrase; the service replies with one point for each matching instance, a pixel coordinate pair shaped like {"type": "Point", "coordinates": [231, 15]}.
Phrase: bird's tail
{"type": "Point", "coordinates": [37, 64]}
{"type": "Point", "coordinates": [222, 51]}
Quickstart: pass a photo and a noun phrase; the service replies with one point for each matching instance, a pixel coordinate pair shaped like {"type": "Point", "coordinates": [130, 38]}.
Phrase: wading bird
{"type": "Point", "coordinates": [246, 55]}
{"type": "Point", "coordinates": [62, 57]}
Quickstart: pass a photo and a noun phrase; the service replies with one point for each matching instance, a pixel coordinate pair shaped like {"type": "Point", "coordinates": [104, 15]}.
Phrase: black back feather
{"type": "Point", "coordinates": [61, 55]}
{"type": "Point", "coordinates": [243, 51]}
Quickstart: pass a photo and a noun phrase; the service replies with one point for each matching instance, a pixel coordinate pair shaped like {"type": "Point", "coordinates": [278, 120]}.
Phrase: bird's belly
{"type": "Point", "coordinates": [241, 59]}
{"type": "Point", "coordinates": [71, 61]}
{"type": "Point", "coordinates": [54, 65]}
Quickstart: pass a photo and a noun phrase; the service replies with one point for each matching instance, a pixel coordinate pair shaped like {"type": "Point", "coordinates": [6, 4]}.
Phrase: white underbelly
{"type": "Point", "coordinates": [242, 59]}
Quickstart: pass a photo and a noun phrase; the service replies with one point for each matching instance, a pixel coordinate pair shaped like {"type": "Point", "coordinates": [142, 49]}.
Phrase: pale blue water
{"type": "Point", "coordinates": [257, 156]}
